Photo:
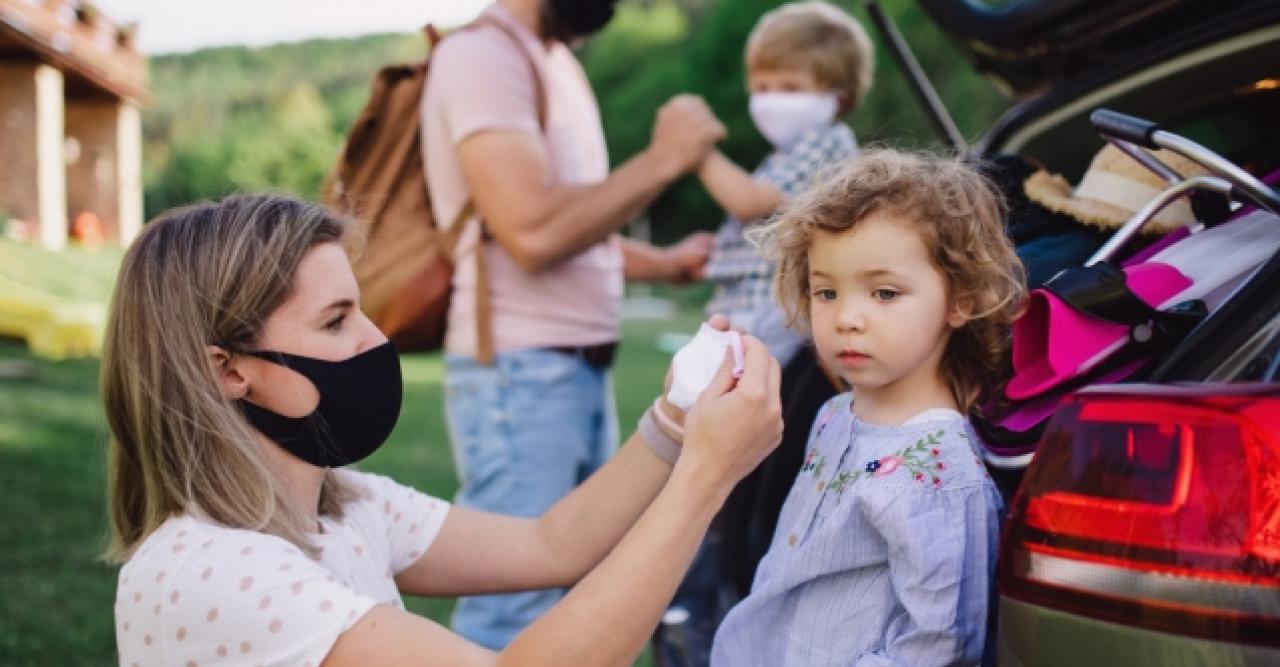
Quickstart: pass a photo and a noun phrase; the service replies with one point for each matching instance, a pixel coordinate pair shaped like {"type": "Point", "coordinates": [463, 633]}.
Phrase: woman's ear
{"type": "Point", "coordinates": [961, 312]}
{"type": "Point", "coordinates": [226, 371]}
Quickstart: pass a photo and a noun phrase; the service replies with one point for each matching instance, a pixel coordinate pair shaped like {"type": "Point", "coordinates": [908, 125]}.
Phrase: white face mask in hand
{"type": "Point", "coordinates": [695, 364]}
{"type": "Point", "coordinates": [783, 117]}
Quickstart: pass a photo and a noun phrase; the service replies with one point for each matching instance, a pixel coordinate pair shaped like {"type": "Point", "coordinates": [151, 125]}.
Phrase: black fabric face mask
{"type": "Point", "coordinates": [359, 406]}
{"type": "Point", "coordinates": [566, 20]}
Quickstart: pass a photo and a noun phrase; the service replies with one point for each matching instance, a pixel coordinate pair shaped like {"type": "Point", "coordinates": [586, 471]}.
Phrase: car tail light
{"type": "Point", "coordinates": [1156, 507]}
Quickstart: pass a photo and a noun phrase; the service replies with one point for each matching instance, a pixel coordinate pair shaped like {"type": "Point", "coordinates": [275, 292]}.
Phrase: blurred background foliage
{"type": "Point", "coordinates": [241, 119]}
{"type": "Point", "coordinates": [238, 119]}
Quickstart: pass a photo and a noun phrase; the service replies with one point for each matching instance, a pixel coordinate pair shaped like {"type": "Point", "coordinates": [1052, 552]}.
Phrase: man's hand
{"type": "Point", "coordinates": [688, 258]}
{"type": "Point", "coordinates": [684, 133]}
{"type": "Point", "coordinates": [541, 221]}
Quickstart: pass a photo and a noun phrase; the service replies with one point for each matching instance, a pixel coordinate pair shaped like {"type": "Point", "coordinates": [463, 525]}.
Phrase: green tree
{"type": "Point", "coordinates": [231, 119]}
{"type": "Point", "coordinates": [294, 155]}
{"type": "Point", "coordinates": [237, 118]}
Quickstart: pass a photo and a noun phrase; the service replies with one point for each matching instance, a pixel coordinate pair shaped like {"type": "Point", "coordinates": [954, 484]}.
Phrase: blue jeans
{"type": "Point", "coordinates": [525, 432]}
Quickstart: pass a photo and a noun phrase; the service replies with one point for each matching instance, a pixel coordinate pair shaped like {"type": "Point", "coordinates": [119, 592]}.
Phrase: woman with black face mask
{"type": "Point", "coordinates": [240, 377]}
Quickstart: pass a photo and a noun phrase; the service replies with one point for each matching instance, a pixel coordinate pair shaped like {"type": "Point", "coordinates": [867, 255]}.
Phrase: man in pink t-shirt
{"type": "Point", "coordinates": [527, 428]}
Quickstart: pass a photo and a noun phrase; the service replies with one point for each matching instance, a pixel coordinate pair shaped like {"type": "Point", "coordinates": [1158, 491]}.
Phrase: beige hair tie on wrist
{"type": "Point", "coordinates": [665, 420]}
{"type": "Point", "coordinates": [663, 446]}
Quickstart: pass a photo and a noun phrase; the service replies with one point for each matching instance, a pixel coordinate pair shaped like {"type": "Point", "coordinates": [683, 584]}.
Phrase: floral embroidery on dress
{"type": "Point", "coordinates": [884, 465]}
{"type": "Point", "coordinates": [843, 481]}
{"type": "Point", "coordinates": [923, 460]}
{"type": "Point", "coordinates": [814, 463]}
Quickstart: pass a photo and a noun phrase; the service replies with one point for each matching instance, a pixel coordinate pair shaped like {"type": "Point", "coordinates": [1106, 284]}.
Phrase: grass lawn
{"type": "Point", "coordinates": [56, 609]}
{"type": "Point", "coordinates": [76, 273]}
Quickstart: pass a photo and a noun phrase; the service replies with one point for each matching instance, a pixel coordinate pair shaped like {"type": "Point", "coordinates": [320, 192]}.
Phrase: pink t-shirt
{"type": "Point", "coordinates": [478, 82]}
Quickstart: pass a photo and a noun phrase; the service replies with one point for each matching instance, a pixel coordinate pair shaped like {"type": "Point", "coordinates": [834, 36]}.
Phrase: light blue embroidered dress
{"type": "Point", "coordinates": [883, 554]}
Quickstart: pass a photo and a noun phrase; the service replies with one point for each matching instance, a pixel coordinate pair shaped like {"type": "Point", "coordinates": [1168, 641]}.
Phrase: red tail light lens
{"type": "Point", "coordinates": [1155, 507]}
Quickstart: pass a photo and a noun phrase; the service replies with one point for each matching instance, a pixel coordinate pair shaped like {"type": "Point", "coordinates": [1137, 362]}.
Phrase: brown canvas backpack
{"type": "Point", "coordinates": [402, 261]}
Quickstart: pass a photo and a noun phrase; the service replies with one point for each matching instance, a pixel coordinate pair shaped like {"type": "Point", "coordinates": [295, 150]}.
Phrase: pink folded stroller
{"type": "Point", "coordinates": [1119, 321]}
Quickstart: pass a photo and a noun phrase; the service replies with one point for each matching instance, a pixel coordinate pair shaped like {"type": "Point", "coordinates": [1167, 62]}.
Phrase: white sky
{"type": "Point", "coordinates": [167, 26]}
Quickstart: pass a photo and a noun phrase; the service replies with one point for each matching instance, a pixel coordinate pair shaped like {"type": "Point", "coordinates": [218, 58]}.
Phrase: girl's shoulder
{"type": "Point", "coordinates": [837, 408]}
{"type": "Point", "coordinates": [934, 451]}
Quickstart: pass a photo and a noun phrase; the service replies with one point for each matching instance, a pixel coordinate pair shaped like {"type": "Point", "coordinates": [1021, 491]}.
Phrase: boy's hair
{"type": "Point", "coordinates": [207, 274]}
{"type": "Point", "coordinates": [817, 37]}
{"type": "Point", "coordinates": [960, 217]}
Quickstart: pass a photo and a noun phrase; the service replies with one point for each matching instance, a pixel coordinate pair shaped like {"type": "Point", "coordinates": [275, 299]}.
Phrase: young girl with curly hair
{"type": "Point", "coordinates": [899, 266]}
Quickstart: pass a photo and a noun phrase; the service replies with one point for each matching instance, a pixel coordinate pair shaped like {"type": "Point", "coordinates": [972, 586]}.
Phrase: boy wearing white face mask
{"type": "Point", "coordinates": [808, 65]}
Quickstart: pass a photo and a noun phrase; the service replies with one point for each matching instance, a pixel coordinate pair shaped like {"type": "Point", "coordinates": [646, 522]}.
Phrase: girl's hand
{"type": "Point", "coordinates": [735, 423]}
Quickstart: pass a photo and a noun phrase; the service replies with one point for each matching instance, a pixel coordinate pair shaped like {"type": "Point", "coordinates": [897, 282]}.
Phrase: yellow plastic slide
{"type": "Point", "coordinates": [53, 328]}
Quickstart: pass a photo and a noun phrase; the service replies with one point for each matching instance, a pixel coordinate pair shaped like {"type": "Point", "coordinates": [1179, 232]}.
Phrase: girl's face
{"type": "Point", "coordinates": [320, 318]}
{"type": "Point", "coordinates": [880, 309]}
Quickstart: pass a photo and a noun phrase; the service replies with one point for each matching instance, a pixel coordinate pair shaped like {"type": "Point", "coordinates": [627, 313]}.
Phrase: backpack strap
{"type": "Point", "coordinates": [484, 301]}
{"type": "Point", "coordinates": [539, 91]}
{"type": "Point", "coordinates": [449, 243]}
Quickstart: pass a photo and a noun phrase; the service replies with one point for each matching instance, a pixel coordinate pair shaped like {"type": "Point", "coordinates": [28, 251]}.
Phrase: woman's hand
{"type": "Point", "coordinates": [674, 414]}
{"type": "Point", "coordinates": [735, 423]}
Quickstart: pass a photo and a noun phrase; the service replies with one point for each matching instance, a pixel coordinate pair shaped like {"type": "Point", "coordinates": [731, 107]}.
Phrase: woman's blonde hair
{"type": "Point", "coordinates": [205, 274]}
{"type": "Point", "coordinates": [960, 217]}
{"type": "Point", "coordinates": [819, 38]}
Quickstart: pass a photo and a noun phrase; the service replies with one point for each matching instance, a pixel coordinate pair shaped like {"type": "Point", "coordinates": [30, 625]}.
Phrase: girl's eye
{"type": "Point", "coordinates": [884, 294]}
{"type": "Point", "coordinates": [824, 294]}
{"type": "Point", "coordinates": [335, 323]}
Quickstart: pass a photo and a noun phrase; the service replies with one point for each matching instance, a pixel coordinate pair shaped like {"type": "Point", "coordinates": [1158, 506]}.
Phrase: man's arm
{"type": "Point", "coordinates": [541, 222]}
{"type": "Point", "coordinates": [680, 263]}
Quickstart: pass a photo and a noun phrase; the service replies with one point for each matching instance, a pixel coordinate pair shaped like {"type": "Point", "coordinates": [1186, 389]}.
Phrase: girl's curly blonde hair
{"type": "Point", "coordinates": [960, 217]}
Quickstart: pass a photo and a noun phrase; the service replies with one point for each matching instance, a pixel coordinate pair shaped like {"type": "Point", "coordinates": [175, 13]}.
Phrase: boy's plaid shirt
{"type": "Point", "coordinates": [743, 279]}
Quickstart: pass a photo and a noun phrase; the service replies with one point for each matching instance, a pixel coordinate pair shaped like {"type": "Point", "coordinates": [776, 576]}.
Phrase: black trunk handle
{"type": "Point", "coordinates": [1123, 126]}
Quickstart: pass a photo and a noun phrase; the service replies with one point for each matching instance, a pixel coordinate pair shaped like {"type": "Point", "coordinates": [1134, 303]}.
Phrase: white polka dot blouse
{"type": "Point", "coordinates": [197, 593]}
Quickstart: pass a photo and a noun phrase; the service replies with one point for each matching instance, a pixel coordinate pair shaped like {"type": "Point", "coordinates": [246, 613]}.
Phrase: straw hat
{"type": "Point", "coordinates": [1114, 188]}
